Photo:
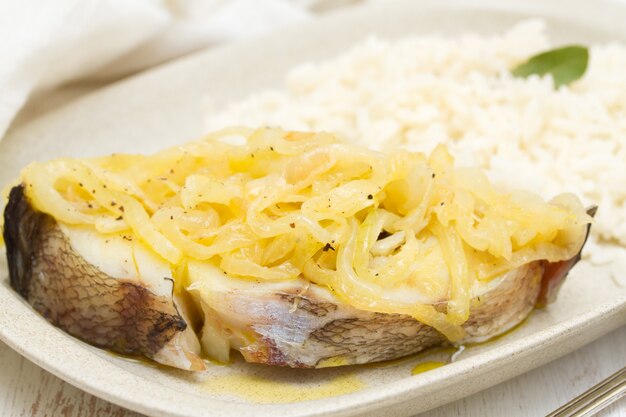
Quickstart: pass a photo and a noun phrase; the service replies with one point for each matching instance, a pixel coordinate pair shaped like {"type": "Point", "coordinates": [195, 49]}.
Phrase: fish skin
{"type": "Point", "coordinates": [118, 314]}
{"type": "Point", "coordinates": [306, 326]}
{"type": "Point", "coordinates": [556, 272]}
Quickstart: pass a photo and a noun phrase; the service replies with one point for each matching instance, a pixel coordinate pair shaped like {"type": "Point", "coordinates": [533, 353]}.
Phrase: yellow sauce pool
{"type": "Point", "coordinates": [262, 390]}
{"type": "Point", "coordinates": [426, 366]}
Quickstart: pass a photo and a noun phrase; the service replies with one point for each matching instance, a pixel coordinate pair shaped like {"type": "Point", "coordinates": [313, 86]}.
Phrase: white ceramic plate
{"type": "Point", "coordinates": [166, 105]}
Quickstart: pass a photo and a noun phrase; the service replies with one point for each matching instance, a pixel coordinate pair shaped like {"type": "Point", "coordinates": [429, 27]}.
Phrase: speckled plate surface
{"type": "Point", "coordinates": [166, 105]}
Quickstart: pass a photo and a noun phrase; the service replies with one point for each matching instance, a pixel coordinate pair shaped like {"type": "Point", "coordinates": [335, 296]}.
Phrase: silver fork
{"type": "Point", "coordinates": [595, 398]}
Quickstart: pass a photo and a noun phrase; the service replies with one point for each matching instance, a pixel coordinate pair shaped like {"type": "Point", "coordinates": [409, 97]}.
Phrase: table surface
{"type": "Point", "coordinates": [27, 390]}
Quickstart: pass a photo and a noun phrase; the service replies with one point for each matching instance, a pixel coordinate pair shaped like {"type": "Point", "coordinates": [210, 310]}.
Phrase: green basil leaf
{"type": "Point", "coordinates": [566, 64]}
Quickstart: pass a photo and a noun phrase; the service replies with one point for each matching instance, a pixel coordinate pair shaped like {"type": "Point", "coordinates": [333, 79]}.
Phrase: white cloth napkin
{"type": "Point", "coordinates": [46, 44]}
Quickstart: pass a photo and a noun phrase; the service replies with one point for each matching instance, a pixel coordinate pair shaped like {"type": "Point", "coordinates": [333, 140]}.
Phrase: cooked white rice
{"type": "Point", "coordinates": [422, 91]}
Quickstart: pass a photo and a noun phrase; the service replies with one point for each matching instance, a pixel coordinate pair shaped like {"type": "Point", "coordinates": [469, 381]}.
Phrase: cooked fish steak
{"type": "Point", "coordinates": [295, 323]}
{"type": "Point", "coordinates": [294, 248]}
